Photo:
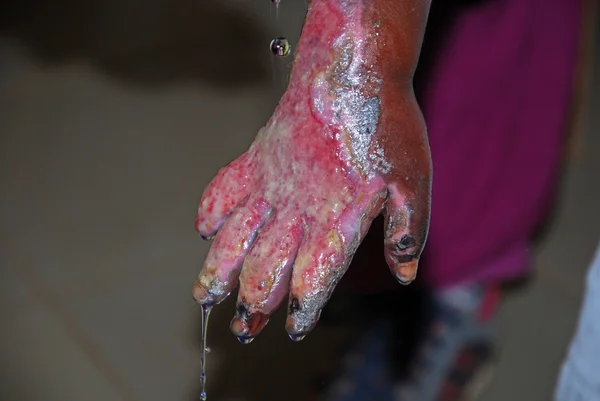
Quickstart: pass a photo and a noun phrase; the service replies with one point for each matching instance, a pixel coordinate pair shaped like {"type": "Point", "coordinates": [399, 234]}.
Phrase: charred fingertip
{"type": "Point", "coordinates": [294, 306]}
{"type": "Point", "coordinates": [246, 324]}
{"type": "Point", "coordinates": [300, 322]}
{"type": "Point", "coordinates": [297, 331]}
{"type": "Point", "coordinates": [406, 242]}
{"type": "Point", "coordinates": [404, 258]}
{"type": "Point", "coordinates": [241, 311]}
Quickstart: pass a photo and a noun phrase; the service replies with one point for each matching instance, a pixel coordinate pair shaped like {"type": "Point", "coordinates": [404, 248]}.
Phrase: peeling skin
{"type": "Point", "coordinates": [346, 142]}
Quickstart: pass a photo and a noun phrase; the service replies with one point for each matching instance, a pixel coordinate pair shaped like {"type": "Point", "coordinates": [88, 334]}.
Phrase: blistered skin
{"type": "Point", "coordinates": [346, 142]}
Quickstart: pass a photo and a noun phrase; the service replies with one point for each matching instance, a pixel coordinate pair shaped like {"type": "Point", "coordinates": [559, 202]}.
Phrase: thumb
{"type": "Point", "coordinates": [406, 227]}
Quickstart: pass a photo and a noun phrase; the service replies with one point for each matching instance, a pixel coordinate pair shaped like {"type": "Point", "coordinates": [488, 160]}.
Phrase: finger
{"type": "Point", "coordinates": [406, 226]}
{"type": "Point", "coordinates": [226, 190]}
{"type": "Point", "coordinates": [324, 257]}
{"type": "Point", "coordinates": [221, 270]}
{"type": "Point", "coordinates": [264, 280]}
{"type": "Point", "coordinates": [321, 262]}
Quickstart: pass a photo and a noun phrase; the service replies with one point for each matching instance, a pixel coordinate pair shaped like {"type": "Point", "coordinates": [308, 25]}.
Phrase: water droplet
{"type": "Point", "coordinates": [245, 340]}
{"type": "Point", "coordinates": [280, 47]}
{"type": "Point", "coordinates": [276, 2]}
{"type": "Point", "coordinates": [297, 337]}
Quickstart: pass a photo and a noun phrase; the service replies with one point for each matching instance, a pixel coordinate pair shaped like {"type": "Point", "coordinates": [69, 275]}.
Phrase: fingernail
{"type": "Point", "coordinates": [199, 293]}
{"type": "Point", "coordinates": [238, 327]}
{"type": "Point", "coordinates": [406, 272]}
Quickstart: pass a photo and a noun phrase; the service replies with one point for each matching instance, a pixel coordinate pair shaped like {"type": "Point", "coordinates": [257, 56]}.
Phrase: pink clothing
{"type": "Point", "coordinates": [496, 105]}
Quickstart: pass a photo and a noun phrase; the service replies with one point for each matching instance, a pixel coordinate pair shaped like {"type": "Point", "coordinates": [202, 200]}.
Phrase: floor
{"type": "Point", "coordinates": [109, 136]}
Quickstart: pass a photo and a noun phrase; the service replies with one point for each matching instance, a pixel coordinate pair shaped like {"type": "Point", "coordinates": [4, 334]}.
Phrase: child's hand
{"type": "Point", "coordinates": [344, 144]}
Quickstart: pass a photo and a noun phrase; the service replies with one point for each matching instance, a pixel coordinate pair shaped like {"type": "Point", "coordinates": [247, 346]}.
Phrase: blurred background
{"type": "Point", "coordinates": [114, 115]}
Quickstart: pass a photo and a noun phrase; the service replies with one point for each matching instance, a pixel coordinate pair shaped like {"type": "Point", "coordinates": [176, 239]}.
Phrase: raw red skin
{"type": "Point", "coordinates": [346, 142]}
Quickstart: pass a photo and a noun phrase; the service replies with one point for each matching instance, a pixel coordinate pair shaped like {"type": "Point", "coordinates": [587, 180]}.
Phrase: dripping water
{"type": "Point", "coordinates": [276, 2]}
{"type": "Point", "coordinates": [280, 47]}
{"type": "Point", "coordinates": [204, 350]}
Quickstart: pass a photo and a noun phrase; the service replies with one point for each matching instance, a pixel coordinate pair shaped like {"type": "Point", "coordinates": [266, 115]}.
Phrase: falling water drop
{"type": "Point", "coordinates": [204, 349]}
{"type": "Point", "coordinates": [245, 340]}
{"type": "Point", "coordinates": [276, 2]}
{"type": "Point", "coordinates": [280, 47]}
{"type": "Point", "coordinates": [297, 338]}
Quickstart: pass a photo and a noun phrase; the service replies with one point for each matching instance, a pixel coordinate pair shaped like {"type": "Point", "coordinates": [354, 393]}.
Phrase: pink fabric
{"type": "Point", "coordinates": [496, 105]}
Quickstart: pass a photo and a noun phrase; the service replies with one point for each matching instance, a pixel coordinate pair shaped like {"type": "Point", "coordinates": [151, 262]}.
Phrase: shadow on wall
{"type": "Point", "coordinates": [144, 42]}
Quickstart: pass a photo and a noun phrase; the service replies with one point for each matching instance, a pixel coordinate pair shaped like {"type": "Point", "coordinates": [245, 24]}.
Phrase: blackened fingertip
{"type": "Point", "coordinates": [246, 323]}
{"type": "Point", "coordinates": [403, 258]}
{"type": "Point", "coordinates": [406, 242]}
{"type": "Point", "coordinates": [241, 311]}
{"type": "Point", "coordinates": [293, 309]}
{"type": "Point", "coordinates": [207, 238]}
{"type": "Point", "coordinates": [294, 306]}
{"type": "Point", "coordinates": [298, 325]}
